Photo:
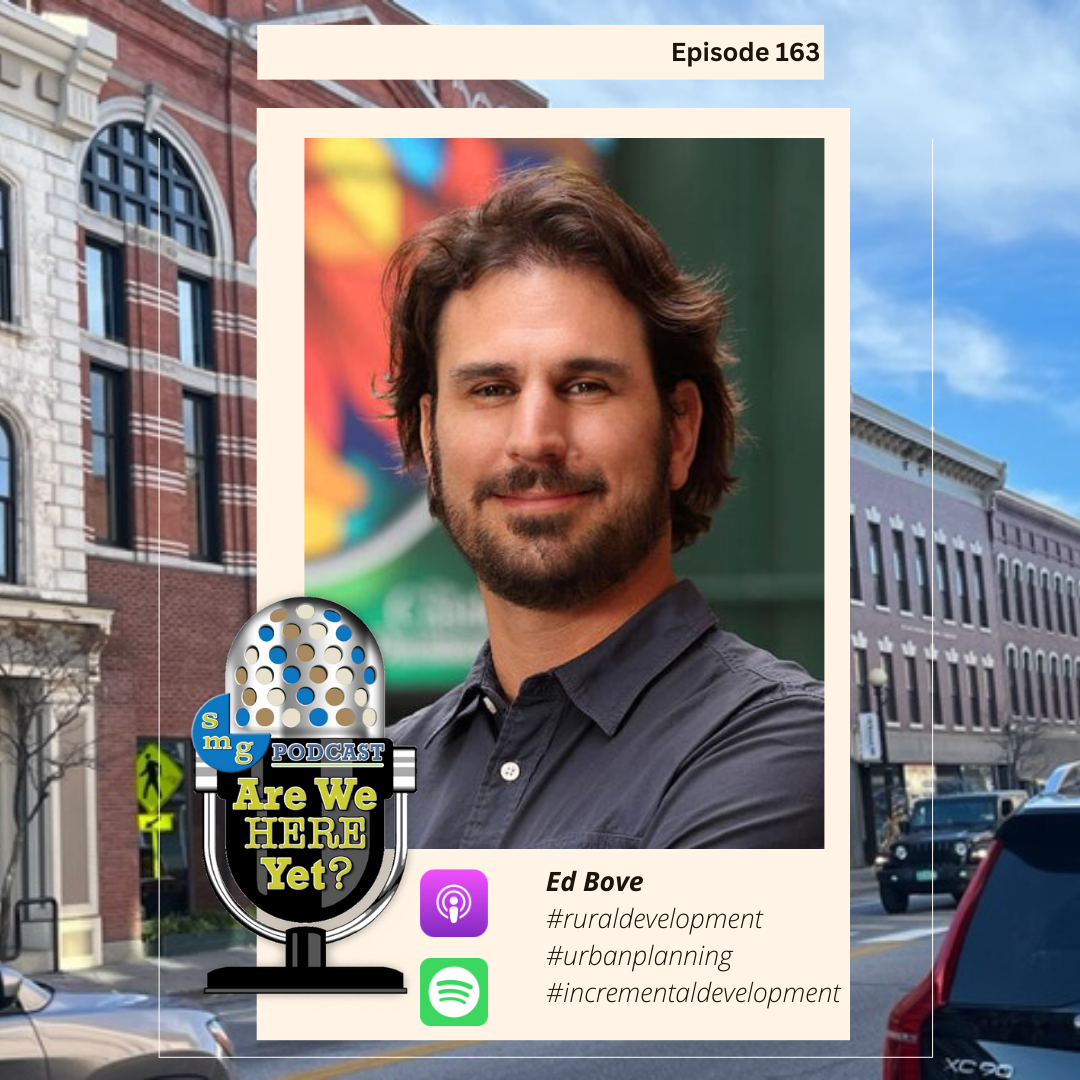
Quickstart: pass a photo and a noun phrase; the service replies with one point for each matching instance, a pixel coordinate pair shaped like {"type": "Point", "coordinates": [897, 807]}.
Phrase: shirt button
{"type": "Point", "coordinates": [510, 771]}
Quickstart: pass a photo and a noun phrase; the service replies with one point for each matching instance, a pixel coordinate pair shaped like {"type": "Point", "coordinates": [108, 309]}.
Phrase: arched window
{"type": "Point", "coordinates": [7, 502]}
{"type": "Point", "coordinates": [1029, 696]}
{"type": "Point", "coordinates": [1055, 687]}
{"type": "Point", "coordinates": [1014, 684]}
{"type": "Point", "coordinates": [1018, 582]}
{"type": "Point", "coordinates": [6, 301]}
{"type": "Point", "coordinates": [1040, 672]}
{"type": "Point", "coordinates": [138, 177]}
{"type": "Point", "coordinates": [1003, 588]}
{"type": "Point", "coordinates": [1066, 673]}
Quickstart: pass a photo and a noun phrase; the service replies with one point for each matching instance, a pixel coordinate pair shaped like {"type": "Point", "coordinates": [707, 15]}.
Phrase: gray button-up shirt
{"type": "Point", "coordinates": [670, 732]}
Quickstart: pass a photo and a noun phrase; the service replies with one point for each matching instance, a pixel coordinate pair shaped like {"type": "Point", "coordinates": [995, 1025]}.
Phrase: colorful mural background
{"type": "Point", "coordinates": [750, 208]}
{"type": "Point", "coordinates": [369, 542]}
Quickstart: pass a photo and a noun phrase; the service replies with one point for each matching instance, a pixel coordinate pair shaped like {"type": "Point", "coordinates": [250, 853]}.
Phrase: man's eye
{"type": "Point", "coordinates": [585, 386]}
{"type": "Point", "coordinates": [491, 390]}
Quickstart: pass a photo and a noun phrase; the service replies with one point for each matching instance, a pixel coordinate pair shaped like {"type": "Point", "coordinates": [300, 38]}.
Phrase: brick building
{"type": "Point", "coordinates": [159, 219]}
{"type": "Point", "coordinates": [963, 597]}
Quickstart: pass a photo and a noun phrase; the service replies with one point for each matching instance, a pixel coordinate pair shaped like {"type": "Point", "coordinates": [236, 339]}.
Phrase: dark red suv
{"type": "Point", "coordinates": [1003, 998]}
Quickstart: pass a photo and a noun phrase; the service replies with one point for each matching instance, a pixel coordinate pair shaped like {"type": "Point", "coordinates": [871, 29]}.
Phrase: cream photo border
{"type": "Point", "coordinates": [804, 893]}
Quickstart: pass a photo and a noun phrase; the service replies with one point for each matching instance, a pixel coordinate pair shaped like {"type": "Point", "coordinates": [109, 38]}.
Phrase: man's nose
{"type": "Point", "coordinates": [538, 426]}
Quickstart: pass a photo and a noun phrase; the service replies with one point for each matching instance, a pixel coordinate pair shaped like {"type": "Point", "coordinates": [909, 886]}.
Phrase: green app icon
{"type": "Point", "coordinates": [454, 991]}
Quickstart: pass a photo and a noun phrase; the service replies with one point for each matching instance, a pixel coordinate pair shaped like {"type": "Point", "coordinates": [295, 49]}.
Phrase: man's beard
{"type": "Point", "coordinates": [535, 566]}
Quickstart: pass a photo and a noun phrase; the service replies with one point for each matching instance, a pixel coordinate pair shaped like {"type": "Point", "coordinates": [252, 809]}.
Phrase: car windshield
{"type": "Point", "coordinates": [975, 812]}
{"type": "Point", "coordinates": [1022, 948]}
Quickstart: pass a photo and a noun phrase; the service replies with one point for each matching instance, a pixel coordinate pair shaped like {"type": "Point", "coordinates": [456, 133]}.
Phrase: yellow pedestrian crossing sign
{"type": "Point", "coordinates": [157, 776]}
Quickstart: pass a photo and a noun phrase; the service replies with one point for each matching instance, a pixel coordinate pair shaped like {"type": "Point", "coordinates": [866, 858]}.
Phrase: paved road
{"type": "Point", "coordinates": [888, 955]}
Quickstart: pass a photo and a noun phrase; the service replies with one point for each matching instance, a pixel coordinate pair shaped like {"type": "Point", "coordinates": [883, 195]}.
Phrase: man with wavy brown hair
{"type": "Point", "coordinates": [561, 381]}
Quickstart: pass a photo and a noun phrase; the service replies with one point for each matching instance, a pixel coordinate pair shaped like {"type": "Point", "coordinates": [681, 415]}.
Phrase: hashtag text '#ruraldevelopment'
{"type": "Point", "coordinates": [631, 919]}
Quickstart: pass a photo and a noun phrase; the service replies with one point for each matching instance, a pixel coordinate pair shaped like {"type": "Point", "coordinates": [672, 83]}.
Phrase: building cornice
{"type": "Point", "coordinates": [52, 69]}
{"type": "Point", "coordinates": [909, 441]}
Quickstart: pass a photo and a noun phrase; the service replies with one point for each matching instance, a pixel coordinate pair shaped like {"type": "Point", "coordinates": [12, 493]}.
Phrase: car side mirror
{"type": "Point", "coordinates": [1006, 807]}
{"type": "Point", "coordinates": [904, 825]}
{"type": "Point", "coordinates": [10, 981]}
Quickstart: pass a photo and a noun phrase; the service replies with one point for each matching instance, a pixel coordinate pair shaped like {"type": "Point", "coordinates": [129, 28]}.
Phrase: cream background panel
{"type": "Point", "coordinates": [804, 894]}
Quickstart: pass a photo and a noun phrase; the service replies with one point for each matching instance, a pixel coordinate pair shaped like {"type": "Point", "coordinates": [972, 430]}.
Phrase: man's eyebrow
{"type": "Point", "coordinates": [465, 374]}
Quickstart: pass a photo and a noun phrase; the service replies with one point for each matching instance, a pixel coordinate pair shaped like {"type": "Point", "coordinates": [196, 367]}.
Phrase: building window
{"type": "Point", "coordinates": [141, 179]}
{"type": "Point", "coordinates": [1072, 609]}
{"type": "Point", "coordinates": [1055, 687]}
{"type": "Point", "coordinates": [862, 681]}
{"type": "Point", "coordinates": [914, 706]}
{"type": "Point", "coordinates": [1014, 684]}
{"type": "Point", "coordinates": [6, 298]}
{"type": "Point", "coordinates": [105, 290]}
{"type": "Point", "coordinates": [1059, 597]}
{"type": "Point", "coordinates": [200, 468]}
{"type": "Point", "coordinates": [980, 590]}
{"type": "Point", "coordinates": [922, 574]}
{"type": "Point", "coordinates": [1003, 588]}
{"type": "Point", "coordinates": [935, 695]}
{"type": "Point", "coordinates": [1018, 583]}
{"type": "Point", "coordinates": [943, 582]}
{"type": "Point", "coordinates": [1040, 675]}
{"type": "Point", "coordinates": [962, 589]}
{"type": "Point", "coordinates": [8, 504]}
{"type": "Point", "coordinates": [889, 697]}
{"type": "Point", "coordinates": [991, 698]}
{"type": "Point", "coordinates": [1029, 692]}
{"type": "Point", "coordinates": [1066, 674]}
{"type": "Point", "coordinates": [955, 695]}
{"type": "Point", "coordinates": [107, 486]}
{"type": "Point", "coordinates": [877, 571]}
{"type": "Point", "coordinates": [900, 570]}
{"type": "Point", "coordinates": [1033, 599]}
{"type": "Point", "coordinates": [196, 331]}
{"type": "Point", "coordinates": [974, 709]}
{"type": "Point", "coordinates": [1047, 613]}
{"type": "Point", "coordinates": [856, 580]}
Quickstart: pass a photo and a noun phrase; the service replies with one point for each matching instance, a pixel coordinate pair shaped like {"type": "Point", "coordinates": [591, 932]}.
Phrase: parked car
{"type": "Point", "coordinates": [1003, 998]}
{"type": "Point", "coordinates": [940, 845]}
{"type": "Point", "coordinates": [48, 1034]}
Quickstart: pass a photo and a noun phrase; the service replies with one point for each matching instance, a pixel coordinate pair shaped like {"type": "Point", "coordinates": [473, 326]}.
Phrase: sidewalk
{"type": "Point", "coordinates": [171, 975]}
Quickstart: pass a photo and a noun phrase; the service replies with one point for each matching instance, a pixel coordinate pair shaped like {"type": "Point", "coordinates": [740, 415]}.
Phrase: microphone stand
{"type": "Point", "coordinates": [305, 946]}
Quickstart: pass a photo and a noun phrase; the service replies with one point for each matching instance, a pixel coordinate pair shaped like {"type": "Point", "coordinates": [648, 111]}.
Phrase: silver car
{"type": "Point", "coordinates": [48, 1034]}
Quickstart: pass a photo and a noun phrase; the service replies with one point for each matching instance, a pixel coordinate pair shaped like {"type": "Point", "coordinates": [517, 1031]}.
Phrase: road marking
{"type": "Point", "coordinates": [908, 935]}
{"type": "Point", "coordinates": [326, 1072]}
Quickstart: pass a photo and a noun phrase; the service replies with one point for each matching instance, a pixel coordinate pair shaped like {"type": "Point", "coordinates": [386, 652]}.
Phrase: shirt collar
{"type": "Point", "coordinates": [605, 682]}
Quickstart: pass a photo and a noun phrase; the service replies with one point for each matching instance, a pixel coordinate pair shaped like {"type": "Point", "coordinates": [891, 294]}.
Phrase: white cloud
{"type": "Point", "coordinates": [891, 338]}
{"type": "Point", "coordinates": [995, 86]}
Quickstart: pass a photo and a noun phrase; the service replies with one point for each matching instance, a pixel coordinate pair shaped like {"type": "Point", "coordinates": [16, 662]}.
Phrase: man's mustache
{"type": "Point", "coordinates": [549, 480]}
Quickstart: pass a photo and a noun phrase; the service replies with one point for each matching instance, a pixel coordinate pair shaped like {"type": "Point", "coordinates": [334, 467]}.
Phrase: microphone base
{"type": "Point", "coordinates": [305, 980]}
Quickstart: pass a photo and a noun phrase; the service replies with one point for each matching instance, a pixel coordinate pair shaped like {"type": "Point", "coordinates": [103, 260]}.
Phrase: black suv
{"type": "Point", "coordinates": [940, 845]}
{"type": "Point", "coordinates": [1003, 998]}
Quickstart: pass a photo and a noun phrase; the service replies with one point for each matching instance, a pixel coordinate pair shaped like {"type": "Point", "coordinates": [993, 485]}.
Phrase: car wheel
{"type": "Point", "coordinates": [894, 901]}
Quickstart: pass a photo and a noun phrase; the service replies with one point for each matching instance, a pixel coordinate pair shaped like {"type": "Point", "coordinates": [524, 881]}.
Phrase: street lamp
{"type": "Point", "coordinates": [879, 680]}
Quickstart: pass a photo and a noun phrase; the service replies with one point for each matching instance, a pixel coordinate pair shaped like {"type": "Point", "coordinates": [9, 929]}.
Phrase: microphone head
{"type": "Point", "coordinates": [305, 667]}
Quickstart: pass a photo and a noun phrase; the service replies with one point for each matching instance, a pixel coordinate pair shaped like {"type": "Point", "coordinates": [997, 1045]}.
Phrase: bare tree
{"type": "Point", "coordinates": [47, 675]}
{"type": "Point", "coordinates": [1021, 744]}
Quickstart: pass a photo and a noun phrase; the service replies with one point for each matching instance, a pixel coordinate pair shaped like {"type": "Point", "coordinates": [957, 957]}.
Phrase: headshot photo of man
{"type": "Point", "coordinates": [563, 387]}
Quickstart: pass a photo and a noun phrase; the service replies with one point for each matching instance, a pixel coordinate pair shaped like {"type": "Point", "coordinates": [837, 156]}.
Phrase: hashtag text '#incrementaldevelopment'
{"type": "Point", "coordinates": [703, 994]}
{"type": "Point", "coordinates": [632, 919]}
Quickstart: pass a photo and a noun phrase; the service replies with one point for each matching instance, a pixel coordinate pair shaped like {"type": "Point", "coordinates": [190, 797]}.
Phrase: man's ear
{"type": "Point", "coordinates": [427, 418]}
{"type": "Point", "coordinates": [685, 421]}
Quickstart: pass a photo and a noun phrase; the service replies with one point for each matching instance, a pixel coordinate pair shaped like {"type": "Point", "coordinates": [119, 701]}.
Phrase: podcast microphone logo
{"type": "Point", "coordinates": [296, 754]}
{"type": "Point", "coordinates": [453, 903]}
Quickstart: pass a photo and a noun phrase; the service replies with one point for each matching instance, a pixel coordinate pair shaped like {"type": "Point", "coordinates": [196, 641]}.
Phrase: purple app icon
{"type": "Point", "coordinates": [453, 903]}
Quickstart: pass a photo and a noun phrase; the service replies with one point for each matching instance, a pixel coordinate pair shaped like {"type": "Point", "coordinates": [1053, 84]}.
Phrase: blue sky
{"type": "Point", "coordinates": [995, 87]}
